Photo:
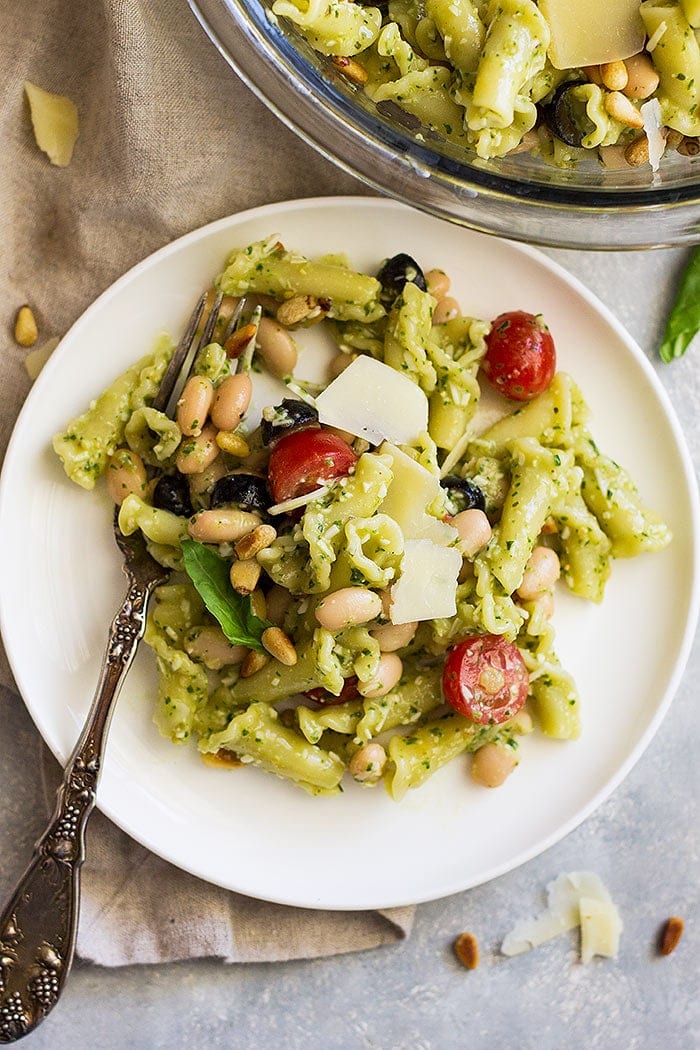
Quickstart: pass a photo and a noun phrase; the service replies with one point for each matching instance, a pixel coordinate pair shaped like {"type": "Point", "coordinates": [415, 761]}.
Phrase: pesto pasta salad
{"type": "Point", "coordinates": [364, 569]}
{"type": "Point", "coordinates": [614, 79]}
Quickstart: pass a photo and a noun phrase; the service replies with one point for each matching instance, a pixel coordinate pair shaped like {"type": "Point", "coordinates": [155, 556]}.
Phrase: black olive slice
{"type": "Point", "coordinates": [462, 494]}
{"type": "Point", "coordinates": [172, 493]}
{"type": "Point", "coordinates": [247, 491]}
{"type": "Point", "coordinates": [397, 272]}
{"type": "Point", "coordinates": [281, 419]}
{"type": "Point", "coordinates": [566, 115]}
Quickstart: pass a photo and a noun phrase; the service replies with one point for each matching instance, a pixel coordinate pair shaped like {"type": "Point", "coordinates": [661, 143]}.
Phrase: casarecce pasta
{"type": "Point", "coordinates": [363, 574]}
{"type": "Point", "coordinates": [503, 76]}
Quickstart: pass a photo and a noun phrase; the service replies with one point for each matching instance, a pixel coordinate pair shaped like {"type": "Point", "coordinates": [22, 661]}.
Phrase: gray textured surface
{"type": "Point", "coordinates": [643, 842]}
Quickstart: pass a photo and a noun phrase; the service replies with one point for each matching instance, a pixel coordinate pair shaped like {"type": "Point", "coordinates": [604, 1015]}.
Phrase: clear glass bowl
{"type": "Point", "coordinates": [517, 197]}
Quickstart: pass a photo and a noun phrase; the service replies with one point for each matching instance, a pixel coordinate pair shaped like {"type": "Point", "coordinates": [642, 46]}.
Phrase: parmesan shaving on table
{"type": "Point", "coordinates": [576, 898]}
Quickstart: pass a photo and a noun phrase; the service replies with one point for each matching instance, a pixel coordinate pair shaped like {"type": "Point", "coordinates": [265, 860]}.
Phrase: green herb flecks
{"type": "Point", "coordinates": [684, 320]}
{"type": "Point", "coordinates": [234, 612]}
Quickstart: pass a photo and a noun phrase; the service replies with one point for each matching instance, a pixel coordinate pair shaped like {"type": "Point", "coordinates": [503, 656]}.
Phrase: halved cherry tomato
{"type": "Point", "coordinates": [485, 679]}
{"type": "Point", "coordinates": [305, 459]}
{"type": "Point", "coordinates": [520, 358]}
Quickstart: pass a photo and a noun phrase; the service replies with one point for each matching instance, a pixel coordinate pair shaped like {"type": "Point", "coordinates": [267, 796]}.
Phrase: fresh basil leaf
{"type": "Point", "coordinates": [234, 612]}
{"type": "Point", "coordinates": [684, 320]}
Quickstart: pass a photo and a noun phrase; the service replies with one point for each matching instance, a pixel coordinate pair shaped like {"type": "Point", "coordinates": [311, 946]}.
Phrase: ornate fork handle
{"type": "Point", "coordinates": [38, 927]}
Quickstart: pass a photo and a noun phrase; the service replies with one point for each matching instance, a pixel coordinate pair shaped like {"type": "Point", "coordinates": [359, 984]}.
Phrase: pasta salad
{"type": "Point", "coordinates": [618, 80]}
{"type": "Point", "coordinates": [363, 570]}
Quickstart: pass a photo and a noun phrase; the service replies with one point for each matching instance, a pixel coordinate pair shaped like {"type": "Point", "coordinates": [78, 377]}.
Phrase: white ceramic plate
{"type": "Point", "coordinates": [61, 583]}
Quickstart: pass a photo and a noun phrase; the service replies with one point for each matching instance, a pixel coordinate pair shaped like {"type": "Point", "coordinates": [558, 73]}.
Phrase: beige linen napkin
{"type": "Point", "coordinates": [169, 140]}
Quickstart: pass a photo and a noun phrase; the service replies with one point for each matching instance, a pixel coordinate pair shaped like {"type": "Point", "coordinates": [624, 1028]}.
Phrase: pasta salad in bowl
{"type": "Point", "coordinates": [543, 120]}
{"type": "Point", "coordinates": [363, 568]}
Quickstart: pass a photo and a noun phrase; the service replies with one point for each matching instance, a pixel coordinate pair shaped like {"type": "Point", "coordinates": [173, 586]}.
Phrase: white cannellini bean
{"type": "Point", "coordinates": [541, 573]}
{"type": "Point", "coordinates": [492, 764]}
{"type": "Point", "coordinates": [194, 404]}
{"type": "Point", "coordinates": [388, 675]}
{"type": "Point", "coordinates": [437, 283]}
{"type": "Point", "coordinates": [367, 764]}
{"type": "Point", "coordinates": [473, 529]}
{"type": "Point", "coordinates": [197, 453]}
{"type": "Point", "coordinates": [276, 347]}
{"type": "Point", "coordinates": [348, 607]}
{"type": "Point", "coordinates": [212, 647]}
{"type": "Point", "coordinates": [222, 525]}
{"type": "Point", "coordinates": [393, 636]}
{"type": "Point", "coordinates": [231, 401]}
{"type": "Point", "coordinates": [126, 474]}
{"type": "Point", "coordinates": [642, 78]}
{"type": "Point", "coordinates": [446, 310]}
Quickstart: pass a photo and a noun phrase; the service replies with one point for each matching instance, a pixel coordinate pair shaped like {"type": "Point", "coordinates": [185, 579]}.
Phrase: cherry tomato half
{"type": "Point", "coordinates": [485, 679]}
{"type": "Point", "coordinates": [305, 459]}
{"type": "Point", "coordinates": [520, 358]}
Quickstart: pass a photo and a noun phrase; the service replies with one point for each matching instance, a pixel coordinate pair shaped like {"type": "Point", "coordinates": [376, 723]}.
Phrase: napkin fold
{"type": "Point", "coordinates": [169, 140]}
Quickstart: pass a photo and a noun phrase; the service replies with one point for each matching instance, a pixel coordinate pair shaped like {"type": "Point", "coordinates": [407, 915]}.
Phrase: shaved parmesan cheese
{"type": "Point", "coordinates": [55, 123]}
{"type": "Point", "coordinates": [601, 927]}
{"type": "Point", "coordinates": [653, 129]}
{"type": "Point", "coordinates": [428, 582]}
{"type": "Point", "coordinates": [578, 898]}
{"type": "Point", "coordinates": [411, 490]}
{"type": "Point", "coordinates": [373, 401]}
{"type": "Point", "coordinates": [587, 33]}
{"type": "Point", "coordinates": [298, 501]}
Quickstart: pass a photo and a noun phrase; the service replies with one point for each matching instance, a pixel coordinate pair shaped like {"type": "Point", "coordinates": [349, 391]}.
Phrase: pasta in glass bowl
{"type": "Point", "coordinates": [402, 117]}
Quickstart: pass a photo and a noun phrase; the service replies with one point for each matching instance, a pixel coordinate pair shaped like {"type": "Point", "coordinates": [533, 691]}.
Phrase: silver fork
{"type": "Point", "coordinates": [39, 924]}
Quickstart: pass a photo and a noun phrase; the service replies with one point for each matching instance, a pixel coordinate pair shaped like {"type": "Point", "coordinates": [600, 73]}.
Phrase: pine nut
{"type": "Point", "coordinates": [446, 310]}
{"type": "Point", "coordinates": [367, 764]}
{"type": "Point", "coordinates": [620, 108]}
{"type": "Point", "coordinates": [197, 453]}
{"type": "Point", "coordinates": [276, 347]}
{"type": "Point", "coordinates": [245, 576]}
{"type": "Point", "coordinates": [233, 443]}
{"type": "Point", "coordinates": [254, 661]}
{"type": "Point", "coordinates": [126, 474]}
{"type": "Point", "coordinates": [348, 607]}
{"type": "Point", "coordinates": [438, 283]}
{"type": "Point", "coordinates": [222, 525]}
{"type": "Point", "coordinates": [642, 78]}
{"type": "Point", "coordinates": [388, 674]}
{"type": "Point", "coordinates": [278, 645]}
{"type": "Point", "coordinates": [193, 407]}
{"type": "Point", "coordinates": [26, 330]}
{"type": "Point", "coordinates": [231, 402]}
{"type": "Point", "coordinates": [299, 308]}
{"type": "Point", "coordinates": [238, 340]}
{"type": "Point", "coordinates": [637, 152]}
{"type": "Point", "coordinates": [257, 540]}
{"type": "Point", "coordinates": [473, 529]}
{"type": "Point", "coordinates": [211, 647]}
{"type": "Point", "coordinates": [393, 636]}
{"type": "Point", "coordinates": [541, 573]}
{"type": "Point", "coordinates": [614, 75]}
{"type": "Point", "coordinates": [351, 69]}
{"type": "Point", "coordinates": [492, 765]}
